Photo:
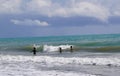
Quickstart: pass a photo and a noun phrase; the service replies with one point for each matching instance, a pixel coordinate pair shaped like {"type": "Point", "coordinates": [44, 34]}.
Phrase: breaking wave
{"type": "Point", "coordinates": [55, 48]}
{"type": "Point", "coordinates": [47, 60]}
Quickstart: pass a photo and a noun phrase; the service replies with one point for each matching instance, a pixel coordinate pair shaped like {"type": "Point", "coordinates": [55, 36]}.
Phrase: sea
{"type": "Point", "coordinates": [91, 55]}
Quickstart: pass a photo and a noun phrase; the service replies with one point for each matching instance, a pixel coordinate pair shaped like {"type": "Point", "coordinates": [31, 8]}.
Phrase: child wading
{"type": "Point", "coordinates": [34, 51]}
{"type": "Point", "coordinates": [71, 49]}
{"type": "Point", "coordinates": [60, 49]}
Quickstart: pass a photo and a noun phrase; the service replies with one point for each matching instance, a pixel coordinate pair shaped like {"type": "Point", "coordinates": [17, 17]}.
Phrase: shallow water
{"type": "Point", "coordinates": [93, 55]}
{"type": "Point", "coordinates": [87, 43]}
{"type": "Point", "coordinates": [67, 64]}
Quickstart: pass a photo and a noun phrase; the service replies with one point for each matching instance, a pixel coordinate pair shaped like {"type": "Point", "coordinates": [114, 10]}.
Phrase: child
{"type": "Point", "coordinates": [34, 51]}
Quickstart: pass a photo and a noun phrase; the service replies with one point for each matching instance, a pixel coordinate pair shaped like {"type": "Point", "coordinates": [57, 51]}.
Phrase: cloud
{"type": "Point", "coordinates": [100, 9]}
{"type": "Point", "coordinates": [10, 6]}
{"type": "Point", "coordinates": [51, 9]}
{"type": "Point", "coordinates": [29, 22]}
{"type": "Point", "coordinates": [83, 9]}
{"type": "Point", "coordinates": [117, 12]}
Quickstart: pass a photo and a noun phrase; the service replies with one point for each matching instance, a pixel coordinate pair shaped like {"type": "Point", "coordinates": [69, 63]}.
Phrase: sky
{"type": "Point", "coordinates": [31, 18]}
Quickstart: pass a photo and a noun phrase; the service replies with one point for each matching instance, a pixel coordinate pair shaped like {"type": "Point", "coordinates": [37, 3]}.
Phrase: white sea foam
{"type": "Point", "coordinates": [32, 72]}
{"type": "Point", "coordinates": [63, 61]}
{"type": "Point", "coordinates": [51, 48]}
{"type": "Point", "coordinates": [36, 46]}
{"type": "Point", "coordinates": [31, 65]}
{"type": "Point", "coordinates": [21, 65]}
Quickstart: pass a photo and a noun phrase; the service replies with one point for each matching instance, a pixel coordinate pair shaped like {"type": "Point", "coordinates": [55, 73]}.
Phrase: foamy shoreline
{"type": "Point", "coordinates": [62, 60]}
{"type": "Point", "coordinates": [32, 65]}
{"type": "Point", "coordinates": [55, 64]}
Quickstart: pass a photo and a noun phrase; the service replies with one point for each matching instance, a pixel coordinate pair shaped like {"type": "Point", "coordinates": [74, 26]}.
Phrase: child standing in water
{"type": "Point", "coordinates": [71, 49]}
{"type": "Point", "coordinates": [60, 49]}
{"type": "Point", "coordinates": [34, 51]}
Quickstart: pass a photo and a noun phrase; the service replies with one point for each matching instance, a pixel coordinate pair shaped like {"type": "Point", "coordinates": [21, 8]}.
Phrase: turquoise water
{"type": "Point", "coordinates": [91, 43]}
{"type": "Point", "coordinates": [92, 54]}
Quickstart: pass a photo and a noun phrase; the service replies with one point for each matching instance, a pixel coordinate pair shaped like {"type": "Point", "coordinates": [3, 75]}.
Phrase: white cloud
{"type": "Point", "coordinates": [29, 22]}
{"type": "Point", "coordinates": [83, 9]}
{"type": "Point", "coordinates": [117, 12]}
{"type": "Point", "coordinates": [100, 9]}
{"type": "Point", "coordinates": [10, 6]}
{"type": "Point", "coordinates": [71, 8]}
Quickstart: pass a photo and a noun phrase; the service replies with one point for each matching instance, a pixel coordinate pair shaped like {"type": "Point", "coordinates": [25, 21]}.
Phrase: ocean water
{"type": "Point", "coordinates": [93, 55]}
{"type": "Point", "coordinates": [82, 43]}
